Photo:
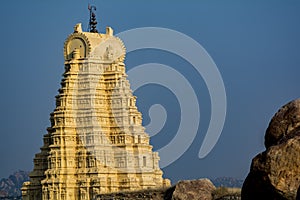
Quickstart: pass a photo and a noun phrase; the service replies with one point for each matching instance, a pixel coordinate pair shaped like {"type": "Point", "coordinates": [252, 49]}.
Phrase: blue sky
{"type": "Point", "coordinates": [255, 45]}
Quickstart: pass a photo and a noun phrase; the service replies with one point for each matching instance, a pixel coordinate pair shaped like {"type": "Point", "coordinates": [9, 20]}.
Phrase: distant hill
{"type": "Point", "coordinates": [10, 188]}
{"type": "Point", "coordinates": [228, 182]}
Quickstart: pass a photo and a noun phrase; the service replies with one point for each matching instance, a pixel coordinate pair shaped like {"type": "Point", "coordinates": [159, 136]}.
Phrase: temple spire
{"type": "Point", "coordinates": [96, 143]}
{"type": "Point", "coordinates": [92, 22]}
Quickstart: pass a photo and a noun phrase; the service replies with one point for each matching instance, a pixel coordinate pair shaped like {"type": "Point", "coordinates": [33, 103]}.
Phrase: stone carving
{"type": "Point", "coordinates": [109, 54]}
{"type": "Point", "coordinates": [91, 146]}
{"type": "Point", "coordinates": [77, 28]}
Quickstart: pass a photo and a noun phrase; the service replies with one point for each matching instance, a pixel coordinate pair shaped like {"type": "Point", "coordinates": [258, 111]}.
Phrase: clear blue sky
{"type": "Point", "coordinates": [255, 45]}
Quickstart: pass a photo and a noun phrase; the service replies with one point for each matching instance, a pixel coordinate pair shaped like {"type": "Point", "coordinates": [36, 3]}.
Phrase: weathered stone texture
{"type": "Point", "coordinates": [275, 173]}
{"type": "Point", "coordinates": [194, 189]}
{"type": "Point", "coordinates": [283, 123]}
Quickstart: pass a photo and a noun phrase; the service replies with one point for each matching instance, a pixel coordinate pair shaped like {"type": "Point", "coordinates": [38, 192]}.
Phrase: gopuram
{"type": "Point", "coordinates": [96, 142]}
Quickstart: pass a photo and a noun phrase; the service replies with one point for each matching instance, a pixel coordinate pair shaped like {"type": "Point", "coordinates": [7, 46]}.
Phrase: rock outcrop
{"type": "Point", "coordinates": [283, 124]}
{"type": "Point", "coordinates": [275, 173]}
{"type": "Point", "coordinates": [192, 189]}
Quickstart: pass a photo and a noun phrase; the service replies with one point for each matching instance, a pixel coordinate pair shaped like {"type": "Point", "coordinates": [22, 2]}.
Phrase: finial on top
{"type": "Point", "coordinates": [93, 21]}
{"type": "Point", "coordinates": [77, 28]}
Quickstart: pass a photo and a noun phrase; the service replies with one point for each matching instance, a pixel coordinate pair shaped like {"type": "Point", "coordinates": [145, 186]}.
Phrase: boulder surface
{"type": "Point", "coordinates": [193, 189]}
{"type": "Point", "coordinates": [275, 173]}
{"type": "Point", "coordinates": [200, 189]}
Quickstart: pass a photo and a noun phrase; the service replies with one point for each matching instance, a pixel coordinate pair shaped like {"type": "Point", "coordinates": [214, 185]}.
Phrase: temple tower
{"type": "Point", "coordinates": [96, 142]}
